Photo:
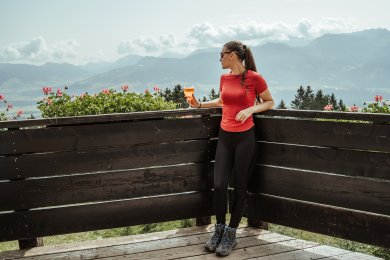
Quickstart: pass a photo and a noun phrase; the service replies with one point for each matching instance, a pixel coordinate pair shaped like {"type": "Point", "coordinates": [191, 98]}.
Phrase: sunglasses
{"type": "Point", "coordinates": [225, 52]}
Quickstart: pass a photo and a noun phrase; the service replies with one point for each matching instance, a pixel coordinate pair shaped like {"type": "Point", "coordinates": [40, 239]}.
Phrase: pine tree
{"type": "Point", "coordinates": [308, 98]}
{"type": "Point", "coordinates": [320, 101]}
{"type": "Point", "coordinates": [333, 102]}
{"type": "Point", "coordinates": [342, 107]}
{"type": "Point", "coordinates": [299, 98]}
{"type": "Point", "coordinates": [178, 96]}
{"type": "Point", "coordinates": [282, 105]}
{"type": "Point", "coordinates": [213, 94]}
{"type": "Point", "coordinates": [167, 94]}
{"type": "Point", "coordinates": [305, 99]}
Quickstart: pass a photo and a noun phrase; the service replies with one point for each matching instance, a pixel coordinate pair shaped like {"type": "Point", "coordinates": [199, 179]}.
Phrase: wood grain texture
{"type": "Point", "coordinates": [104, 186]}
{"type": "Point", "coordinates": [371, 195]}
{"type": "Point", "coordinates": [325, 159]}
{"type": "Point", "coordinates": [80, 218]}
{"type": "Point", "coordinates": [80, 137]}
{"type": "Point", "coordinates": [358, 226]}
{"type": "Point", "coordinates": [346, 135]}
{"type": "Point", "coordinates": [106, 159]}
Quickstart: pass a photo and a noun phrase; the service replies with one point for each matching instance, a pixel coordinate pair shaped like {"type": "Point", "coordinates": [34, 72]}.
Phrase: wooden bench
{"type": "Point", "coordinates": [78, 174]}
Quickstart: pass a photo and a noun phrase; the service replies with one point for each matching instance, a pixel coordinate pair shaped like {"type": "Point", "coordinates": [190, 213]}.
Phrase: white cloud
{"type": "Point", "coordinates": [68, 49]}
{"type": "Point", "coordinates": [204, 35]}
{"type": "Point", "coordinates": [149, 44]}
{"type": "Point", "coordinates": [333, 25]}
{"type": "Point", "coordinates": [37, 51]}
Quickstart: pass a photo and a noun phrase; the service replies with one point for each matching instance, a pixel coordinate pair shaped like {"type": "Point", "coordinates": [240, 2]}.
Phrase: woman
{"type": "Point", "coordinates": [237, 142]}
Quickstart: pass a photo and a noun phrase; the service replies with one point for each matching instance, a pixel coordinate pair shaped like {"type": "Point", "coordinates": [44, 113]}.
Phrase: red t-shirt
{"type": "Point", "coordinates": [236, 97]}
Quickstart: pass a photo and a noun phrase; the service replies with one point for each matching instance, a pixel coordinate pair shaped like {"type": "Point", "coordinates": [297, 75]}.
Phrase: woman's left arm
{"type": "Point", "coordinates": [268, 103]}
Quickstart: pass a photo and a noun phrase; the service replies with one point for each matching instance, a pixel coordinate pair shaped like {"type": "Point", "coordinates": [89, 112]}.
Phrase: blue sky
{"type": "Point", "coordinates": [78, 31]}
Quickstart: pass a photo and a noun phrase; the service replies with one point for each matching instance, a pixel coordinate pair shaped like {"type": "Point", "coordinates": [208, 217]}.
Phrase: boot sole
{"type": "Point", "coordinates": [219, 254]}
{"type": "Point", "coordinates": [209, 250]}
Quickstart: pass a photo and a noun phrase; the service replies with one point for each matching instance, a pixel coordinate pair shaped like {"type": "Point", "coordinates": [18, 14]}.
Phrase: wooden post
{"type": "Point", "coordinates": [257, 223]}
{"type": "Point", "coordinates": [252, 216]}
{"type": "Point", "coordinates": [29, 243]}
{"type": "Point", "coordinates": [201, 221]}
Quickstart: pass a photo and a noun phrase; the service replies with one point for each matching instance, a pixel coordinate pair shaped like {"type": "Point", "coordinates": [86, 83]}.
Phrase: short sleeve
{"type": "Point", "coordinates": [261, 84]}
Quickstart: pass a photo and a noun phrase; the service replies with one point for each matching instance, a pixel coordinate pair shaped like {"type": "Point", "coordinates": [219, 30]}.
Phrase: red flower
{"type": "Point", "coordinates": [2, 97]}
{"type": "Point", "coordinates": [354, 108]}
{"type": "Point", "coordinates": [106, 91]}
{"type": "Point", "coordinates": [19, 113]}
{"type": "Point", "coordinates": [125, 88]}
{"type": "Point", "coordinates": [46, 90]}
{"type": "Point", "coordinates": [378, 98]}
{"type": "Point", "coordinates": [147, 91]}
{"type": "Point", "coordinates": [59, 93]}
{"type": "Point", "coordinates": [156, 89]}
{"type": "Point", "coordinates": [49, 101]}
{"type": "Point", "coordinates": [328, 107]}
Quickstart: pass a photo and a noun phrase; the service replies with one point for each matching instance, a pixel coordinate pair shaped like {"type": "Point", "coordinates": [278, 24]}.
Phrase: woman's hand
{"type": "Point", "coordinates": [193, 102]}
{"type": "Point", "coordinates": [244, 114]}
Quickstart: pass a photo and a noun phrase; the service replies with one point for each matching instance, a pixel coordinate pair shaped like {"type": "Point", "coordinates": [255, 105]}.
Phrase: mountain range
{"type": "Point", "coordinates": [355, 66]}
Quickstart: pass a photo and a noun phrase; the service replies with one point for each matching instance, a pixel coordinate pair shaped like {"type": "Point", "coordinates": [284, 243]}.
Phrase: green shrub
{"type": "Point", "coordinates": [61, 104]}
{"type": "Point", "coordinates": [4, 116]}
{"type": "Point", "coordinates": [379, 106]}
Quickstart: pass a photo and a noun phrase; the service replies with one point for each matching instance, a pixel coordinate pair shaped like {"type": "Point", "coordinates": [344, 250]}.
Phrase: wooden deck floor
{"type": "Point", "coordinates": [188, 243]}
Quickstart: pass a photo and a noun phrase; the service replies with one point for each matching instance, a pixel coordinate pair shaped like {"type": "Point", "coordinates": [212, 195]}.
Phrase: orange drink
{"type": "Point", "coordinates": [188, 91]}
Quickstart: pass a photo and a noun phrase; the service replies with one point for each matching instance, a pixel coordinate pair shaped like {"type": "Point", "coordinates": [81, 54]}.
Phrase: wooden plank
{"type": "Point", "coordinates": [325, 159]}
{"type": "Point", "coordinates": [80, 218]}
{"type": "Point", "coordinates": [353, 256]}
{"type": "Point", "coordinates": [70, 138]}
{"type": "Point", "coordinates": [185, 244]}
{"type": "Point", "coordinates": [159, 250]}
{"type": "Point", "coordinates": [261, 250]}
{"type": "Point", "coordinates": [318, 252]}
{"type": "Point", "coordinates": [333, 221]}
{"type": "Point", "coordinates": [324, 133]}
{"type": "Point", "coordinates": [106, 159]}
{"type": "Point", "coordinates": [104, 186]}
{"type": "Point", "coordinates": [30, 243]}
{"type": "Point", "coordinates": [114, 117]}
{"type": "Point", "coordinates": [175, 241]}
{"type": "Point", "coordinates": [114, 241]}
{"type": "Point", "coordinates": [370, 117]}
{"type": "Point", "coordinates": [372, 195]}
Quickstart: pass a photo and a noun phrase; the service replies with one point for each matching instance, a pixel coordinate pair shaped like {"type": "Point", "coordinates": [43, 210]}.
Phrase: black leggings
{"type": "Point", "coordinates": [236, 152]}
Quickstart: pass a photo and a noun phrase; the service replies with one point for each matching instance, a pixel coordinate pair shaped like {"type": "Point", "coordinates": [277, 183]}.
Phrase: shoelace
{"type": "Point", "coordinates": [227, 237]}
{"type": "Point", "coordinates": [218, 232]}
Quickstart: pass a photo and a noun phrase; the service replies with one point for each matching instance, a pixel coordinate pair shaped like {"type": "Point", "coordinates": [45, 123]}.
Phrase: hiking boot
{"type": "Point", "coordinates": [228, 242]}
{"type": "Point", "coordinates": [212, 244]}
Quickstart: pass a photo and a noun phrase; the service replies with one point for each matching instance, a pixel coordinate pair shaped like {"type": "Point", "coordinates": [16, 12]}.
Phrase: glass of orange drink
{"type": "Point", "coordinates": [188, 92]}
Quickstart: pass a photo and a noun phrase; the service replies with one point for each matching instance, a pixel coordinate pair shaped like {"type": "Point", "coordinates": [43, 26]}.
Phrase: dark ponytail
{"type": "Point", "coordinates": [245, 54]}
{"type": "Point", "coordinates": [249, 60]}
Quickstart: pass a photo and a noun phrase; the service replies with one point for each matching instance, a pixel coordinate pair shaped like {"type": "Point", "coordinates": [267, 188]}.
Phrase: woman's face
{"type": "Point", "coordinates": [226, 58]}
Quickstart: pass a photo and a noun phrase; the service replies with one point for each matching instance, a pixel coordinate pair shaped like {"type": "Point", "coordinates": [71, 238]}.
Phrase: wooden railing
{"type": "Point", "coordinates": [76, 174]}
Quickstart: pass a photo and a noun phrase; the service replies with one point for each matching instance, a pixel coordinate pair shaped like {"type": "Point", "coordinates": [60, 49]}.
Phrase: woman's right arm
{"type": "Point", "coordinates": [193, 102]}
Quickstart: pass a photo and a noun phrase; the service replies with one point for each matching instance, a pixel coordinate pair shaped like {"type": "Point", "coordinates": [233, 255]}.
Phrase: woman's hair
{"type": "Point", "coordinates": [245, 54]}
